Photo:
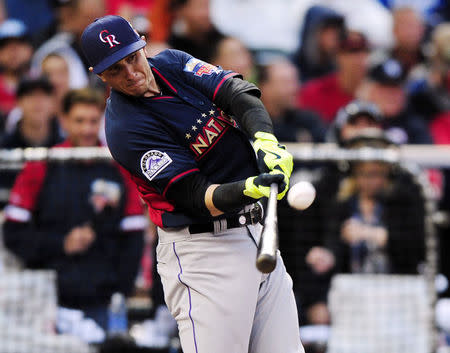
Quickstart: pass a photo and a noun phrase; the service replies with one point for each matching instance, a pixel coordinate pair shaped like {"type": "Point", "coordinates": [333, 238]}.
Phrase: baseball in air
{"type": "Point", "coordinates": [301, 195]}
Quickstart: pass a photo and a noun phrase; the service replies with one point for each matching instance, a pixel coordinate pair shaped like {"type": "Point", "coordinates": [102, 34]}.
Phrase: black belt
{"type": "Point", "coordinates": [233, 221]}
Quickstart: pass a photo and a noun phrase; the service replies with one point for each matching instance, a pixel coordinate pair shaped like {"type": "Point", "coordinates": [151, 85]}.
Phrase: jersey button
{"type": "Point", "coordinates": [201, 103]}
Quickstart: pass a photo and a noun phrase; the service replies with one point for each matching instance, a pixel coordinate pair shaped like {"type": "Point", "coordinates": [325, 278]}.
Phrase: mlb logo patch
{"type": "Point", "coordinates": [199, 67]}
{"type": "Point", "coordinates": [154, 162]}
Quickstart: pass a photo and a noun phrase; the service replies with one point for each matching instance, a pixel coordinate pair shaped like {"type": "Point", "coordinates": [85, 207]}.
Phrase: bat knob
{"type": "Point", "coordinates": [266, 263]}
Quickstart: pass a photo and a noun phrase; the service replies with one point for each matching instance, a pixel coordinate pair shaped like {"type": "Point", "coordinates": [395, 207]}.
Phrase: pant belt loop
{"type": "Point", "coordinates": [220, 225]}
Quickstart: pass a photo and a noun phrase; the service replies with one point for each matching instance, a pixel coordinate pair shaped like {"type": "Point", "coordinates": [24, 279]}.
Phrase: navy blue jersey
{"type": "Point", "coordinates": [161, 139]}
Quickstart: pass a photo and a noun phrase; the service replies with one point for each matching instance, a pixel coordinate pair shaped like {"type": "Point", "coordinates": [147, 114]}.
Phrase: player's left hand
{"type": "Point", "coordinates": [271, 155]}
{"type": "Point", "coordinates": [259, 186]}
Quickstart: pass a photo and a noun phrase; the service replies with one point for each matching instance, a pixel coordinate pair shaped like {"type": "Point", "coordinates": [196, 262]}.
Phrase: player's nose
{"type": "Point", "coordinates": [129, 72]}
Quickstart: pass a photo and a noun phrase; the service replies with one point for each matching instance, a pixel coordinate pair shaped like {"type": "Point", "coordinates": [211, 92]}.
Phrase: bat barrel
{"type": "Point", "coordinates": [268, 245]}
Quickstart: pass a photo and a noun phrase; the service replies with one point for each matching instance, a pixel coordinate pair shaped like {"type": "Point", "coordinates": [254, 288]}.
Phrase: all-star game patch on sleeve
{"type": "Point", "coordinates": [201, 75]}
{"type": "Point", "coordinates": [151, 152]}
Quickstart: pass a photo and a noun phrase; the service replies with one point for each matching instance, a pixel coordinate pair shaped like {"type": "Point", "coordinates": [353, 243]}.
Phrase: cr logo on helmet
{"type": "Point", "coordinates": [110, 38]}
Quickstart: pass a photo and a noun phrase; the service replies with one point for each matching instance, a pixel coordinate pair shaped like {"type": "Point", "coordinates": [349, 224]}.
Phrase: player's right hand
{"type": "Point", "coordinates": [271, 155]}
{"type": "Point", "coordinates": [259, 186]}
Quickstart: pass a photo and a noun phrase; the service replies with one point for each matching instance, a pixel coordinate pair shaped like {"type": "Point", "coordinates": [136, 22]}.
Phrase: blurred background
{"type": "Point", "coordinates": [362, 86]}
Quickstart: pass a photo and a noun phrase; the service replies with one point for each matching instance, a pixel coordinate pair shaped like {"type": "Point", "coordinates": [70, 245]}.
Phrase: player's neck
{"type": "Point", "coordinates": [153, 90]}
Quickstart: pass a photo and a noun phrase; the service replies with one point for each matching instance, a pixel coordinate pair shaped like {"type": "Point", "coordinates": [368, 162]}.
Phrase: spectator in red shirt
{"type": "Point", "coordinates": [82, 219]}
{"type": "Point", "coordinates": [327, 94]}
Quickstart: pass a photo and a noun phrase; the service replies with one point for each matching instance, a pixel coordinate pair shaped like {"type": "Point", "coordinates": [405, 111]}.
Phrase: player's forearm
{"type": "Point", "coordinates": [241, 99]}
{"type": "Point", "coordinates": [195, 195]}
{"type": "Point", "coordinates": [227, 197]}
{"type": "Point", "coordinates": [251, 114]}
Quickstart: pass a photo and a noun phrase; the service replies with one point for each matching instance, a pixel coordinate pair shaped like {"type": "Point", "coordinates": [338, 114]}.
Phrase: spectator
{"type": "Point", "coordinates": [278, 82]}
{"type": "Point", "coordinates": [34, 125]}
{"type": "Point", "coordinates": [55, 67]}
{"type": "Point", "coordinates": [365, 16]}
{"type": "Point", "coordinates": [430, 90]}
{"type": "Point", "coordinates": [231, 54]}
{"type": "Point", "coordinates": [37, 15]}
{"type": "Point", "coordinates": [351, 119]}
{"type": "Point", "coordinates": [15, 56]}
{"type": "Point", "coordinates": [327, 94]}
{"type": "Point", "coordinates": [82, 219]}
{"type": "Point", "coordinates": [73, 16]}
{"type": "Point", "coordinates": [408, 33]}
{"type": "Point", "coordinates": [308, 227]}
{"type": "Point", "coordinates": [192, 30]}
{"type": "Point", "coordinates": [384, 86]}
{"type": "Point", "coordinates": [320, 37]}
{"type": "Point", "coordinates": [31, 124]}
{"type": "Point", "coordinates": [375, 223]}
{"type": "Point", "coordinates": [434, 12]}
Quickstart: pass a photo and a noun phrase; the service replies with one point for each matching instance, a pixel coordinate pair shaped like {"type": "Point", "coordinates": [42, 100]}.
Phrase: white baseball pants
{"type": "Point", "coordinates": [221, 302]}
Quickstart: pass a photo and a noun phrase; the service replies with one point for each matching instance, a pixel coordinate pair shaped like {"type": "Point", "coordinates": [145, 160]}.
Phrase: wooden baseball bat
{"type": "Point", "coordinates": [266, 259]}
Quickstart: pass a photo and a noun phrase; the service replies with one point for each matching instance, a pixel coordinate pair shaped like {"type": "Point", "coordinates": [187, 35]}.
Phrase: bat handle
{"type": "Point", "coordinates": [266, 260]}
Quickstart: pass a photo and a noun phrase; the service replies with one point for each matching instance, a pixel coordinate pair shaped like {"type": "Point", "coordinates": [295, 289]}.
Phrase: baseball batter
{"type": "Point", "coordinates": [170, 121]}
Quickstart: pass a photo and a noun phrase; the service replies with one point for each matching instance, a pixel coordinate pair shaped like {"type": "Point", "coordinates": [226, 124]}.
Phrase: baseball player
{"type": "Point", "coordinates": [169, 123]}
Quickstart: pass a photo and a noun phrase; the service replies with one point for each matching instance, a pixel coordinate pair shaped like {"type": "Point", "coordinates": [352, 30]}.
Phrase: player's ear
{"type": "Point", "coordinates": [91, 69]}
{"type": "Point", "coordinates": [101, 77]}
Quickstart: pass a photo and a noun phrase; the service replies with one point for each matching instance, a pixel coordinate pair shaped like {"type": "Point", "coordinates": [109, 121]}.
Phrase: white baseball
{"type": "Point", "coordinates": [301, 195]}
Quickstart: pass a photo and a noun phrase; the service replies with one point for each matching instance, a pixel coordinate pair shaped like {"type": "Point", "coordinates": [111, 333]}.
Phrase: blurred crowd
{"type": "Point", "coordinates": [366, 73]}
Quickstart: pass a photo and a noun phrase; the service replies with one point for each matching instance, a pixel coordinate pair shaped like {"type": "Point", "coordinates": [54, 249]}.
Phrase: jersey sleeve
{"type": "Point", "coordinates": [151, 152]}
{"type": "Point", "coordinates": [133, 218]}
{"type": "Point", "coordinates": [162, 164]}
{"type": "Point", "coordinates": [201, 75]}
{"type": "Point", "coordinates": [25, 192]}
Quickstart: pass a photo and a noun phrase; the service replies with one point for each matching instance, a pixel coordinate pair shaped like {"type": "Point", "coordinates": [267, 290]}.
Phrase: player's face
{"type": "Point", "coordinates": [82, 124]}
{"type": "Point", "coordinates": [131, 75]}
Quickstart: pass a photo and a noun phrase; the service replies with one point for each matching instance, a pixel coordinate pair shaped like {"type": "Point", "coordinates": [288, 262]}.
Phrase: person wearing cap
{"type": "Point", "coordinates": [384, 86]}
{"type": "Point", "coordinates": [351, 119]}
{"type": "Point", "coordinates": [327, 94]}
{"type": "Point", "coordinates": [82, 219]}
{"type": "Point", "coordinates": [181, 128]}
{"type": "Point", "coordinates": [310, 226]}
{"type": "Point", "coordinates": [15, 56]}
{"type": "Point", "coordinates": [374, 224]}
{"type": "Point", "coordinates": [34, 125]}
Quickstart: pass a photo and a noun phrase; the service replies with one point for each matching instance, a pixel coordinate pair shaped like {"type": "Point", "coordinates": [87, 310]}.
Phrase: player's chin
{"type": "Point", "coordinates": [135, 90]}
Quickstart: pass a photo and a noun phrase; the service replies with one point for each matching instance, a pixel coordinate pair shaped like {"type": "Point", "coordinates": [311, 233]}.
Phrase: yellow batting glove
{"type": "Point", "coordinates": [259, 186]}
{"type": "Point", "coordinates": [271, 155]}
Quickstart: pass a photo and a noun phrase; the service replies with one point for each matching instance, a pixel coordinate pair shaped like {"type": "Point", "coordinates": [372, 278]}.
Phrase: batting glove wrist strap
{"type": "Point", "coordinates": [271, 155]}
